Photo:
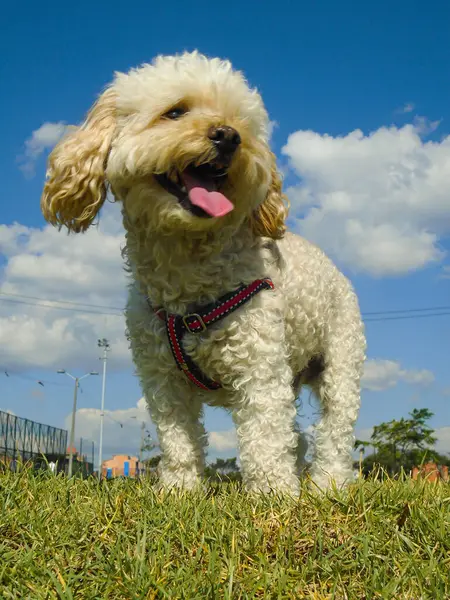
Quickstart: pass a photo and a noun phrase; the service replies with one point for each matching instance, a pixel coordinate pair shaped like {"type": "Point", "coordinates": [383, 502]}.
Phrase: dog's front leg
{"type": "Point", "coordinates": [338, 389]}
{"type": "Point", "coordinates": [176, 411]}
{"type": "Point", "coordinates": [266, 438]}
{"type": "Point", "coordinates": [264, 412]}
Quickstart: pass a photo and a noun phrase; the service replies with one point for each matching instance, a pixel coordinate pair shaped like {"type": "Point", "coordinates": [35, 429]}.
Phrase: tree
{"type": "Point", "coordinates": [148, 444]}
{"type": "Point", "coordinates": [224, 469]}
{"type": "Point", "coordinates": [401, 443]}
{"type": "Point", "coordinates": [153, 461]}
{"type": "Point", "coordinates": [419, 434]}
{"type": "Point", "coordinates": [361, 445]}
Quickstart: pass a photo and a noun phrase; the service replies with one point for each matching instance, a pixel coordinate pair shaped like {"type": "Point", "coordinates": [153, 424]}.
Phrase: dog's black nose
{"type": "Point", "coordinates": [226, 139]}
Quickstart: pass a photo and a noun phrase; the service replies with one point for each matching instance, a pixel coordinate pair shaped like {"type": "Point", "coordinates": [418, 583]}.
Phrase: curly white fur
{"type": "Point", "coordinates": [261, 352]}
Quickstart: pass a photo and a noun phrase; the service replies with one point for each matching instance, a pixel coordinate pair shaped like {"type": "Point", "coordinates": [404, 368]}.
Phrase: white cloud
{"type": "Point", "coordinates": [406, 108]}
{"type": "Point", "coordinates": [383, 374]}
{"type": "Point", "coordinates": [223, 440]}
{"type": "Point", "coordinates": [41, 139]}
{"type": "Point", "coordinates": [443, 440]}
{"type": "Point", "coordinates": [380, 203]}
{"type": "Point", "coordinates": [420, 377]}
{"type": "Point", "coordinates": [424, 126]}
{"type": "Point", "coordinates": [47, 264]}
{"type": "Point", "coordinates": [272, 126]}
{"type": "Point", "coordinates": [121, 428]}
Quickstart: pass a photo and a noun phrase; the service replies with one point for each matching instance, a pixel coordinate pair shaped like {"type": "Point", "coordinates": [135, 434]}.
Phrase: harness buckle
{"type": "Point", "coordinates": [198, 318]}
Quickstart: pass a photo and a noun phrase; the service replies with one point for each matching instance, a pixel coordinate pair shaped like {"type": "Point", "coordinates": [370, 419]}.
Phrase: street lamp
{"type": "Point", "coordinates": [103, 343]}
{"type": "Point", "coordinates": [74, 411]}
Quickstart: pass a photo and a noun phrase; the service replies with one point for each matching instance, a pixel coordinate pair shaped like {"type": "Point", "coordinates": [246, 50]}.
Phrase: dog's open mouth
{"type": "Point", "coordinates": [197, 189]}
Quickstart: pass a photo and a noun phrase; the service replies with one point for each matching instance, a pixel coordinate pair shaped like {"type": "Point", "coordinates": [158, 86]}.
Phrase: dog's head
{"type": "Point", "coordinates": [183, 142]}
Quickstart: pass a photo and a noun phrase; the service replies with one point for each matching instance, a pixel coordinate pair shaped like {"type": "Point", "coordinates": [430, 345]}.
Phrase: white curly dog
{"type": "Point", "coordinates": [224, 307]}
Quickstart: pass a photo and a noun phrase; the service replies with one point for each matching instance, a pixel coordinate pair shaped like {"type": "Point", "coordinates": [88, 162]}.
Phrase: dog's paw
{"type": "Point", "coordinates": [322, 481]}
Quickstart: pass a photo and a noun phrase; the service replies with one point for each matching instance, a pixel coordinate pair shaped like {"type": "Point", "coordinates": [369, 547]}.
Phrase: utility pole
{"type": "Point", "coordinates": [103, 343]}
{"type": "Point", "coordinates": [141, 448]}
{"type": "Point", "coordinates": [74, 412]}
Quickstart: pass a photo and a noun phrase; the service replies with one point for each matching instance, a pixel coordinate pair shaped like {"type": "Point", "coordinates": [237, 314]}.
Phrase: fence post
{"type": "Point", "coordinates": [15, 440]}
{"type": "Point", "coordinates": [7, 429]}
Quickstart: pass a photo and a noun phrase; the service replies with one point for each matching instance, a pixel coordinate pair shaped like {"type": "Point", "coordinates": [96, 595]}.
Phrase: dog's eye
{"type": "Point", "coordinates": [175, 113]}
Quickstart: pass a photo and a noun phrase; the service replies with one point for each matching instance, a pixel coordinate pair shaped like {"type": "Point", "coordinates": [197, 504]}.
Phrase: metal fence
{"type": "Point", "coordinates": [24, 440]}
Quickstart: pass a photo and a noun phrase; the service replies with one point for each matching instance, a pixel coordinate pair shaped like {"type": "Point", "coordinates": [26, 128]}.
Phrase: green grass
{"type": "Point", "coordinates": [78, 539]}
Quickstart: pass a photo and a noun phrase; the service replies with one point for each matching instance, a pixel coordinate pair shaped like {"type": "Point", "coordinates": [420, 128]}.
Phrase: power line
{"type": "Point", "coordinates": [69, 308]}
{"type": "Point", "coordinates": [371, 316]}
{"type": "Point", "coordinates": [103, 306]}
{"type": "Point", "coordinates": [8, 373]}
{"type": "Point", "coordinates": [406, 310]}
{"type": "Point", "coordinates": [64, 301]}
{"type": "Point", "coordinates": [409, 316]}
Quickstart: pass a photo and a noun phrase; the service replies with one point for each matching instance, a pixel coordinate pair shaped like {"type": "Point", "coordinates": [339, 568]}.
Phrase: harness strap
{"type": "Point", "coordinates": [197, 322]}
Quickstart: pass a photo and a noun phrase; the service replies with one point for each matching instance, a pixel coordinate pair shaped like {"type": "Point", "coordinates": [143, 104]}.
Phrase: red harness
{"type": "Point", "coordinates": [199, 321]}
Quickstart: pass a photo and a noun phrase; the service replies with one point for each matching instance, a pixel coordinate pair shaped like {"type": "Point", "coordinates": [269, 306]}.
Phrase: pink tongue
{"type": "Point", "coordinates": [204, 195]}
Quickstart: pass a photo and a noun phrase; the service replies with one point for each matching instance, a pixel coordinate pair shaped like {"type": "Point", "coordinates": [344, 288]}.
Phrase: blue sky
{"type": "Point", "coordinates": [325, 69]}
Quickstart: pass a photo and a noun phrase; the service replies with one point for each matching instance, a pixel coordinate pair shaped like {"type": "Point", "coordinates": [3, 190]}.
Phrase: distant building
{"type": "Point", "coordinates": [431, 472]}
{"type": "Point", "coordinates": [122, 465]}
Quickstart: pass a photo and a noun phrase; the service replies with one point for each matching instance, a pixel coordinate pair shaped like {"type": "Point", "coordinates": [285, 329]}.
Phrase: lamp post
{"type": "Point", "coordinates": [74, 411]}
{"type": "Point", "coordinates": [103, 343]}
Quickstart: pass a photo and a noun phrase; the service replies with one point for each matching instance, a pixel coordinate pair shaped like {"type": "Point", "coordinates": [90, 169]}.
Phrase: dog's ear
{"type": "Point", "coordinates": [75, 189]}
{"type": "Point", "coordinates": [269, 219]}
